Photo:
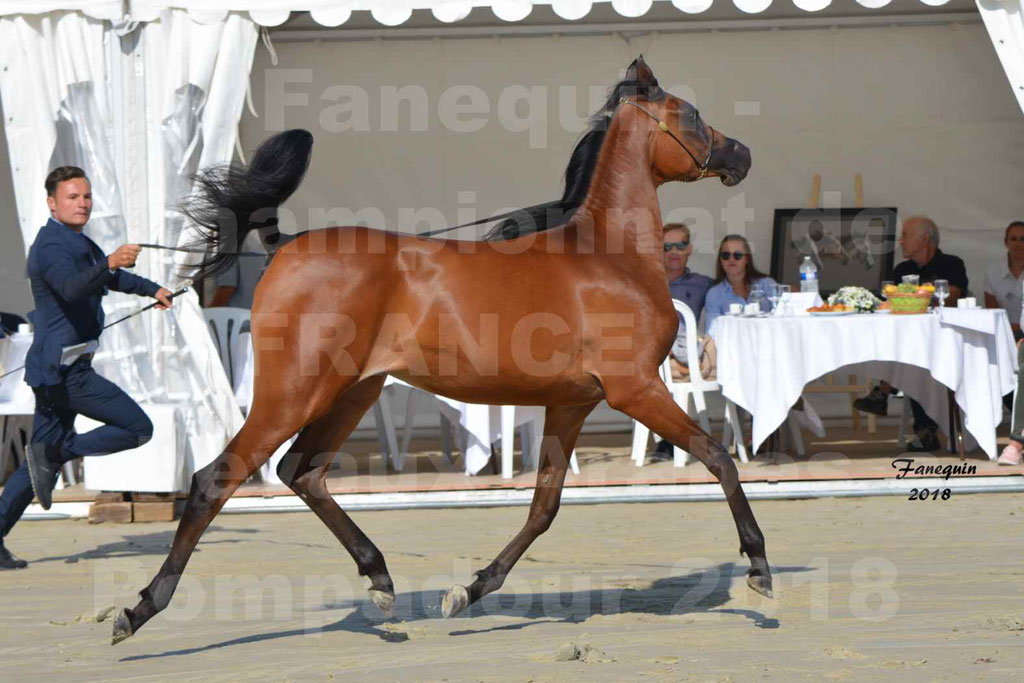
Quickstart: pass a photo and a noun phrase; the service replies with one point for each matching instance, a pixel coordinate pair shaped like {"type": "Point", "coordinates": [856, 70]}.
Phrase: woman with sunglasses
{"type": "Point", "coordinates": [735, 278]}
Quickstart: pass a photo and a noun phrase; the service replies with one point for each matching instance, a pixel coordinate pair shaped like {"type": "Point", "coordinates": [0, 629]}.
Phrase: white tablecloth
{"type": "Point", "coordinates": [15, 396]}
{"type": "Point", "coordinates": [158, 466]}
{"type": "Point", "coordinates": [764, 363]}
{"type": "Point", "coordinates": [480, 425]}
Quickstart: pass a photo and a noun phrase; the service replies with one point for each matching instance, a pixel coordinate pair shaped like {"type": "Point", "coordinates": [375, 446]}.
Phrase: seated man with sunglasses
{"type": "Point", "coordinates": [687, 286]}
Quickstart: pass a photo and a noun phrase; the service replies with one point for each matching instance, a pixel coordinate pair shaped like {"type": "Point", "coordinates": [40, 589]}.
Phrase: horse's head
{"type": "Point", "coordinates": [685, 147]}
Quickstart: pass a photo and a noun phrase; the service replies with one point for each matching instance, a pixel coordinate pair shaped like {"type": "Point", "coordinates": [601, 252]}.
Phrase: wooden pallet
{"type": "Point", "coordinates": [124, 508]}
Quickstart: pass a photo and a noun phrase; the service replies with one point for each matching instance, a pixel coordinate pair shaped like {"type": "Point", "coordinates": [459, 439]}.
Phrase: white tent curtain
{"type": "Point", "coordinates": [195, 78]}
{"type": "Point", "coordinates": [132, 105]}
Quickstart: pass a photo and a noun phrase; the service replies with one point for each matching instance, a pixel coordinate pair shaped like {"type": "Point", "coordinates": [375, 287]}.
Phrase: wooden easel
{"type": "Point", "coordinates": [851, 388]}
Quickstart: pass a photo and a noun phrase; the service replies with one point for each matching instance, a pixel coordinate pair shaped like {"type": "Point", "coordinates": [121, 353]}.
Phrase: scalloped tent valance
{"type": "Point", "coordinates": [97, 9]}
{"type": "Point", "coordinates": [397, 12]}
{"type": "Point", "coordinates": [393, 13]}
{"type": "Point", "coordinates": [1004, 19]}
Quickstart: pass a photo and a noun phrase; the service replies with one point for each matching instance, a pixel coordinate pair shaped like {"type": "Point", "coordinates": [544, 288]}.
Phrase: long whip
{"type": "Point", "coordinates": [201, 251]}
{"type": "Point", "coordinates": [121, 320]}
{"type": "Point", "coordinates": [429, 233]}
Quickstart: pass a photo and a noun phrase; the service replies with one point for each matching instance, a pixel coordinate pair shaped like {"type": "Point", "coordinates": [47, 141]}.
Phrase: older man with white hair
{"type": "Point", "coordinates": [919, 241]}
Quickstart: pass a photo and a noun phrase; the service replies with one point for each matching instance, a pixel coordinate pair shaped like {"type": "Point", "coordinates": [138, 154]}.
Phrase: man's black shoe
{"type": "Point", "coordinates": [9, 561]}
{"type": "Point", "coordinates": [663, 451]}
{"type": "Point", "coordinates": [43, 466]}
{"type": "Point", "coordinates": [876, 403]}
{"type": "Point", "coordinates": [928, 439]}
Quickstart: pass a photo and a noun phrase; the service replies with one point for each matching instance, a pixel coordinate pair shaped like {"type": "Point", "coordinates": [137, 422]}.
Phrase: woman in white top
{"type": "Point", "coordinates": [1003, 280]}
{"type": "Point", "coordinates": [1003, 290]}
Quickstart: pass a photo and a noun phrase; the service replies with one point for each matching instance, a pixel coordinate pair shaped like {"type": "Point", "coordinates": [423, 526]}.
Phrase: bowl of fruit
{"type": "Point", "coordinates": [909, 299]}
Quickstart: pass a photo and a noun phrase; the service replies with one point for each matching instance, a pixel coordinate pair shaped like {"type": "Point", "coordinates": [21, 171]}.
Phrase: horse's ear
{"type": "Point", "coordinates": [642, 77]}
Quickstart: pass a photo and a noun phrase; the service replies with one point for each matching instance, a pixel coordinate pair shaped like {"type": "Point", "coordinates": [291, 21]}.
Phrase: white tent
{"type": "Point", "coordinates": [139, 106]}
{"type": "Point", "coordinates": [168, 83]}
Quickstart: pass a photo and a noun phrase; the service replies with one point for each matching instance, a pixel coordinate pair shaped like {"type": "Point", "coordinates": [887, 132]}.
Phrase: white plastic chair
{"type": "Point", "coordinates": [531, 435]}
{"type": "Point", "coordinates": [225, 325]}
{"type": "Point", "coordinates": [682, 391]}
{"type": "Point", "coordinates": [410, 413]}
{"type": "Point", "coordinates": [696, 387]}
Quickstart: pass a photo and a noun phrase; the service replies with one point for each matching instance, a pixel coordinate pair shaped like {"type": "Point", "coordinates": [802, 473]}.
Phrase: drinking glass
{"type": "Point", "coordinates": [783, 291]}
{"type": "Point", "coordinates": [941, 291]}
{"type": "Point", "coordinates": [886, 283]}
{"type": "Point", "coordinates": [912, 280]}
{"type": "Point", "coordinates": [773, 296]}
{"type": "Point", "coordinates": [757, 295]}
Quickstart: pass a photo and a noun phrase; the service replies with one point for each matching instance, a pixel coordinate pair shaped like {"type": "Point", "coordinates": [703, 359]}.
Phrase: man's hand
{"type": "Point", "coordinates": [163, 295]}
{"type": "Point", "coordinates": [124, 257]}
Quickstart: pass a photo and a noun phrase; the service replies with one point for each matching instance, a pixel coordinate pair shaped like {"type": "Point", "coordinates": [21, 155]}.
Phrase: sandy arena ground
{"type": "Point", "coordinates": [867, 589]}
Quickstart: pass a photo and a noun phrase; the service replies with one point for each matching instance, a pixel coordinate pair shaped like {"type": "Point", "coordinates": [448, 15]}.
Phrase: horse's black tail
{"type": "Point", "coordinates": [231, 201]}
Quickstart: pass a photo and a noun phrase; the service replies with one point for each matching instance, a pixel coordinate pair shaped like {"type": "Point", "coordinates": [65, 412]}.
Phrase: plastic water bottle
{"type": "Point", "coordinates": [808, 275]}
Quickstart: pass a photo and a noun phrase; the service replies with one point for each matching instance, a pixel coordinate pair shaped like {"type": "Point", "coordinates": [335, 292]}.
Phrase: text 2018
{"type": "Point", "coordinates": [934, 494]}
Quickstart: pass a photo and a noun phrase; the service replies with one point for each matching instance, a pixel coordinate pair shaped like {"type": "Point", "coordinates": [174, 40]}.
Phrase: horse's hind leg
{"type": "Point", "coordinates": [562, 426]}
{"type": "Point", "coordinates": [654, 407]}
{"type": "Point", "coordinates": [305, 466]}
{"type": "Point", "coordinates": [211, 487]}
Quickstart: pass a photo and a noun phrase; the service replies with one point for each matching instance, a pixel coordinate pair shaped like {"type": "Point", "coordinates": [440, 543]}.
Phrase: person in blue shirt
{"type": "Point", "coordinates": [735, 279]}
{"type": "Point", "coordinates": [685, 285]}
{"type": "Point", "coordinates": [69, 276]}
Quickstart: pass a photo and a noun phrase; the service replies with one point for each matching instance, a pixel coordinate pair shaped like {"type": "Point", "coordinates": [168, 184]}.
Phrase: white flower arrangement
{"type": "Point", "coordinates": [857, 298]}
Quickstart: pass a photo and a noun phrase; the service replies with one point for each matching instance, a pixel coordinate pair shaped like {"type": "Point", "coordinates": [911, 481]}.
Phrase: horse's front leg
{"type": "Point", "coordinates": [561, 428]}
{"type": "Point", "coordinates": [652, 405]}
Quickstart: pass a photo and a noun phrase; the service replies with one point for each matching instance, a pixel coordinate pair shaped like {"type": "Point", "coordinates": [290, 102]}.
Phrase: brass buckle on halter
{"type": "Point", "coordinates": [665, 129]}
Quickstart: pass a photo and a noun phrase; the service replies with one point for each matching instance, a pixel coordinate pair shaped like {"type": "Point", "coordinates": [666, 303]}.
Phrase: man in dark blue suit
{"type": "Point", "coordinates": [70, 274]}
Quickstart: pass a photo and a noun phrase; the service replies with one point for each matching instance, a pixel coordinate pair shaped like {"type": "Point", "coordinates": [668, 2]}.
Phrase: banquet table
{"type": "Point", "coordinates": [16, 397]}
{"type": "Point", "coordinates": [479, 425]}
{"type": "Point", "coordinates": [765, 362]}
{"type": "Point", "coordinates": [17, 403]}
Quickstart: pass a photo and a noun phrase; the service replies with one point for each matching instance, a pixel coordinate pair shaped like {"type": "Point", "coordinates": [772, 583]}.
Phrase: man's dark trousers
{"type": "Point", "coordinates": [83, 392]}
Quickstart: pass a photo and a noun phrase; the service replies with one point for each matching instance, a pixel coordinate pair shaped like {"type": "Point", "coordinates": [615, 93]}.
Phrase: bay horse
{"type": "Point", "coordinates": [519, 320]}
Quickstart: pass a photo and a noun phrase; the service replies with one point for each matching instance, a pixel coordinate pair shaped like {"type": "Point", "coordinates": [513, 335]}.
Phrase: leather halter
{"type": "Point", "coordinates": [703, 167]}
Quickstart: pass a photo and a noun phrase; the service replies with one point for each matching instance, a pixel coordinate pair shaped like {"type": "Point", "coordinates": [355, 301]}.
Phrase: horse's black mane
{"type": "Point", "coordinates": [578, 174]}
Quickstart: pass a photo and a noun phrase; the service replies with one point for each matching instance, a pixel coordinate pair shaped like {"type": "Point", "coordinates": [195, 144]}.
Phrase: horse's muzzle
{"type": "Point", "coordinates": [731, 161]}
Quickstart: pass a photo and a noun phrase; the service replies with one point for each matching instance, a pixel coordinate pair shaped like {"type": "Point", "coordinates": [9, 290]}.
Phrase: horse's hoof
{"type": "Point", "coordinates": [761, 584]}
{"type": "Point", "coordinates": [384, 601]}
{"type": "Point", "coordinates": [122, 627]}
{"type": "Point", "coordinates": [454, 601]}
